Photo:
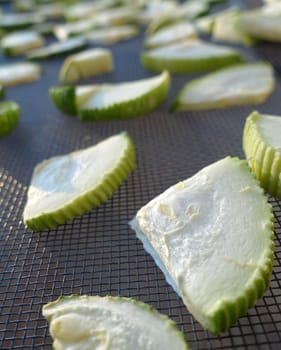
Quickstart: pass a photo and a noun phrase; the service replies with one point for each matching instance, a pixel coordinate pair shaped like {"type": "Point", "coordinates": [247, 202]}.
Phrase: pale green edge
{"type": "Point", "coordinates": [172, 325]}
{"type": "Point", "coordinates": [229, 311]}
{"type": "Point", "coordinates": [86, 201]}
{"type": "Point", "coordinates": [143, 104]}
{"type": "Point", "coordinates": [263, 160]}
{"type": "Point", "coordinates": [188, 65]}
{"type": "Point", "coordinates": [180, 105]}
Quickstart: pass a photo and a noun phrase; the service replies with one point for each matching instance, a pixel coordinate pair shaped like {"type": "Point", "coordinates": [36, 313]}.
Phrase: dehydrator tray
{"type": "Point", "coordinates": [98, 253]}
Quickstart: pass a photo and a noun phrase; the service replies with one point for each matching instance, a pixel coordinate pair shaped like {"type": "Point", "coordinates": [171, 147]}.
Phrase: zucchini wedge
{"type": "Point", "coordinates": [192, 56]}
{"type": "Point", "coordinates": [262, 147]}
{"type": "Point", "coordinates": [19, 73]}
{"type": "Point", "coordinates": [109, 36]}
{"type": "Point", "coordinates": [9, 117]}
{"type": "Point", "coordinates": [86, 64]}
{"type": "Point", "coordinates": [70, 185]}
{"type": "Point", "coordinates": [112, 101]}
{"type": "Point", "coordinates": [212, 237]}
{"type": "Point", "coordinates": [247, 83]}
{"type": "Point", "coordinates": [18, 21]}
{"type": "Point", "coordinates": [20, 42]}
{"type": "Point", "coordinates": [112, 323]}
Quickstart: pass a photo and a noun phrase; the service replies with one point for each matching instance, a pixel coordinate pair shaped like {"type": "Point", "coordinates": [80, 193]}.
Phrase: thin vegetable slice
{"type": "Point", "coordinates": [190, 57]}
{"type": "Point", "coordinates": [112, 35]}
{"type": "Point", "coordinates": [19, 73]}
{"type": "Point", "coordinates": [20, 42]}
{"type": "Point", "coordinates": [66, 186]}
{"type": "Point", "coordinates": [112, 101]}
{"type": "Point", "coordinates": [262, 147]}
{"type": "Point", "coordinates": [112, 323]}
{"type": "Point", "coordinates": [57, 49]}
{"type": "Point", "coordinates": [212, 236]}
{"type": "Point", "coordinates": [86, 64]}
{"type": "Point", "coordinates": [9, 117]}
{"type": "Point", "coordinates": [248, 83]}
{"type": "Point", "coordinates": [17, 21]}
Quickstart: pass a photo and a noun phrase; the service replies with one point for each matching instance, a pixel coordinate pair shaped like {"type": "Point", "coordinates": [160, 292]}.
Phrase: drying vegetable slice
{"type": "Point", "coordinates": [248, 83]}
{"type": "Point", "coordinates": [115, 101]}
{"type": "Point", "coordinates": [17, 21]}
{"type": "Point", "coordinates": [86, 64]}
{"type": "Point", "coordinates": [112, 35]}
{"type": "Point", "coordinates": [262, 147]}
{"type": "Point", "coordinates": [190, 57]}
{"type": "Point", "coordinates": [9, 117]}
{"type": "Point", "coordinates": [94, 322]}
{"type": "Point", "coordinates": [174, 33]}
{"type": "Point", "coordinates": [66, 186]}
{"type": "Point", "coordinates": [57, 49]}
{"type": "Point", "coordinates": [19, 73]}
{"type": "Point", "coordinates": [20, 42]}
{"type": "Point", "coordinates": [217, 256]}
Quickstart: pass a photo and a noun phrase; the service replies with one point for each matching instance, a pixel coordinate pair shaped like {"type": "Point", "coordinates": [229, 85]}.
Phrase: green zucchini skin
{"type": "Point", "coordinates": [9, 117]}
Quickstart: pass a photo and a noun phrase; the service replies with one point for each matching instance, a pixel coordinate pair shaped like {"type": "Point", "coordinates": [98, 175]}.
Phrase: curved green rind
{"type": "Point", "coordinates": [86, 201]}
{"type": "Point", "coordinates": [2, 92]}
{"type": "Point", "coordinates": [48, 313]}
{"type": "Point", "coordinates": [63, 98]}
{"type": "Point", "coordinates": [146, 103]}
{"type": "Point", "coordinates": [9, 117]}
{"type": "Point", "coordinates": [264, 161]}
{"type": "Point", "coordinates": [196, 65]}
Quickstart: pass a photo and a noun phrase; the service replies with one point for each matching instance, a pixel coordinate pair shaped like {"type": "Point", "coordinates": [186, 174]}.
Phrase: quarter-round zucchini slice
{"type": "Point", "coordinates": [9, 117]}
{"type": "Point", "coordinates": [112, 101]}
{"type": "Point", "coordinates": [20, 42]}
{"type": "Point", "coordinates": [241, 84]}
{"type": "Point", "coordinates": [19, 73]}
{"type": "Point", "coordinates": [112, 323]}
{"type": "Point", "coordinates": [212, 236]}
{"type": "Point", "coordinates": [66, 186]}
{"type": "Point", "coordinates": [192, 56]}
{"type": "Point", "coordinates": [262, 147]}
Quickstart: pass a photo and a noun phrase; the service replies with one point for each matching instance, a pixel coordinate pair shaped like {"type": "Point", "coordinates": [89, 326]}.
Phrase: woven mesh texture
{"type": "Point", "coordinates": [98, 253]}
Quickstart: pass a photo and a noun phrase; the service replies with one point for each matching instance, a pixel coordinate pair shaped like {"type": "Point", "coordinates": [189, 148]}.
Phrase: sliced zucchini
{"type": "Point", "coordinates": [20, 42]}
{"type": "Point", "coordinates": [216, 255]}
{"type": "Point", "coordinates": [57, 49]}
{"type": "Point", "coordinates": [112, 35]}
{"type": "Point", "coordinates": [66, 30]}
{"type": "Point", "coordinates": [19, 73]}
{"type": "Point", "coordinates": [116, 16]}
{"type": "Point", "coordinates": [174, 33]}
{"type": "Point", "coordinates": [262, 147]}
{"type": "Point", "coordinates": [190, 57]}
{"type": "Point", "coordinates": [17, 21]}
{"type": "Point", "coordinates": [115, 101]}
{"type": "Point", "coordinates": [86, 64]}
{"type": "Point", "coordinates": [111, 323]}
{"type": "Point", "coordinates": [66, 186]}
{"type": "Point", "coordinates": [247, 83]}
{"type": "Point", "coordinates": [9, 117]}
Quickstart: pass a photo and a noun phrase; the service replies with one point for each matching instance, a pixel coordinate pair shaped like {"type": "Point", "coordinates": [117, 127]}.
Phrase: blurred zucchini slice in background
{"type": "Point", "coordinates": [86, 64]}
{"type": "Point", "coordinates": [212, 236]}
{"type": "Point", "coordinates": [262, 147]}
{"type": "Point", "coordinates": [109, 36]}
{"type": "Point", "coordinates": [246, 83]}
{"type": "Point", "coordinates": [18, 21]}
{"type": "Point", "coordinates": [19, 73]}
{"type": "Point", "coordinates": [192, 56]}
{"type": "Point", "coordinates": [9, 117]}
{"type": "Point", "coordinates": [57, 49]}
{"type": "Point", "coordinates": [112, 101]}
{"type": "Point", "coordinates": [112, 323]}
{"type": "Point", "coordinates": [20, 42]}
{"type": "Point", "coordinates": [66, 186]}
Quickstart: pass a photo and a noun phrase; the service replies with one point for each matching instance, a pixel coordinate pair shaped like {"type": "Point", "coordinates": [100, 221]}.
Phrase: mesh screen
{"type": "Point", "coordinates": [98, 253]}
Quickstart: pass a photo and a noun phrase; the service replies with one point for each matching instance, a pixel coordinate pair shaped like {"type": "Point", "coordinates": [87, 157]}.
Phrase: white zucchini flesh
{"type": "Point", "coordinates": [19, 73]}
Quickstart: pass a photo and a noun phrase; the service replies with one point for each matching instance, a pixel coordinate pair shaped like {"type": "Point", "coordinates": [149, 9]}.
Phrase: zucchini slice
{"type": "Point", "coordinates": [113, 35]}
{"type": "Point", "coordinates": [19, 73]}
{"type": "Point", "coordinates": [112, 101]}
{"type": "Point", "coordinates": [86, 64]}
{"type": "Point", "coordinates": [20, 42]}
{"type": "Point", "coordinates": [212, 236]}
{"type": "Point", "coordinates": [262, 147]}
{"type": "Point", "coordinates": [192, 56]}
{"type": "Point", "coordinates": [66, 186]}
{"type": "Point", "coordinates": [247, 83]}
{"type": "Point", "coordinates": [112, 323]}
{"type": "Point", "coordinates": [57, 49]}
{"type": "Point", "coordinates": [9, 117]}
{"type": "Point", "coordinates": [18, 21]}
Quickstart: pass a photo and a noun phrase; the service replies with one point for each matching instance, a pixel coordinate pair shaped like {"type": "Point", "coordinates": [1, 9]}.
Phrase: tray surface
{"type": "Point", "coordinates": [98, 253]}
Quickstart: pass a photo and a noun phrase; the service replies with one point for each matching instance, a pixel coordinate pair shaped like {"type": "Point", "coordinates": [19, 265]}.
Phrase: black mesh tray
{"type": "Point", "coordinates": [98, 253]}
